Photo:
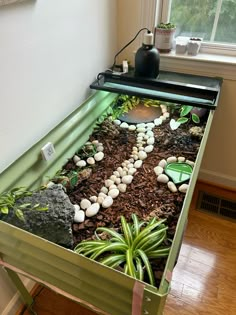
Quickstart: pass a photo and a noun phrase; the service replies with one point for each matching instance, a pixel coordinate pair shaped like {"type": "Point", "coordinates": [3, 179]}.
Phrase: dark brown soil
{"type": "Point", "coordinates": [144, 196]}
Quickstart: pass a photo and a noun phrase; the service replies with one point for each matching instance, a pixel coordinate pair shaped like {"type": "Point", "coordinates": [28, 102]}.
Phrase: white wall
{"type": "Point", "coordinates": [51, 50]}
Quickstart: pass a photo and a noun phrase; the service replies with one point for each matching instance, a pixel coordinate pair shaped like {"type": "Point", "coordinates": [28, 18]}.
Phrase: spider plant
{"type": "Point", "coordinates": [132, 250]}
{"type": "Point", "coordinates": [8, 201]}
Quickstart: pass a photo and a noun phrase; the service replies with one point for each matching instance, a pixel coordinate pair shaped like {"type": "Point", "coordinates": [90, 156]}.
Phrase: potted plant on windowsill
{"type": "Point", "coordinates": [164, 35]}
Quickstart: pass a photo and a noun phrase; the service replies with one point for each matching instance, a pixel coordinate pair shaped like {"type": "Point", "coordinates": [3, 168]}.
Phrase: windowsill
{"type": "Point", "coordinates": [203, 64]}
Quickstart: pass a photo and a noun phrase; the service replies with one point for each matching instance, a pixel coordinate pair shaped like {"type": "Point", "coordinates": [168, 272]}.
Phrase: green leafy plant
{"type": "Point", "coordinates": [8, 201]}
{"type": "Point", "coordinates": [166, 26]}
{"type": "Point", "coordinates": [184, 112]}
{"type": "Point", "coordinates": [132, 250]}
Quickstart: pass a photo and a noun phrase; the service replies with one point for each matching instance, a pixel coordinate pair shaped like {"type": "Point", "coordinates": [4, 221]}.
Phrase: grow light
{"type": "Point", "coordinates": [172, 87]}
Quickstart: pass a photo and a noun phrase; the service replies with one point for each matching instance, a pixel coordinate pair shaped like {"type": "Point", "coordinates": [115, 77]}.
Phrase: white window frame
{"type": "Point", "coordinates": [163, 13]}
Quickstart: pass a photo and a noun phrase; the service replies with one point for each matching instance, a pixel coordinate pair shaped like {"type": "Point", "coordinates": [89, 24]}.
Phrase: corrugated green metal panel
{"type": "Point", "coordinates": [185, 209]}
{"type": "Point", "coordinates": [31, 170]}
{"type": "Point", "coordinates": [103, 287]}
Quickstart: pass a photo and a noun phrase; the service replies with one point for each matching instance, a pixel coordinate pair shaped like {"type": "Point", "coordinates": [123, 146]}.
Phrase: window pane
{"type": "Point", "coordinates": [226, 29]}
{"type": "Point", "coordinates": [195, 18]}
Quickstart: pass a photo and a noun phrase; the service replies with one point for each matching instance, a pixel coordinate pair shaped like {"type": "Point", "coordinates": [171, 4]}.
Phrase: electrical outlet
{"type": "Point", "coordinates": [48, 151]}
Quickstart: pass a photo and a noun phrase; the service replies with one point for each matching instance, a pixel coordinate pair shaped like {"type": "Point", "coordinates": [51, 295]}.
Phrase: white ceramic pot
{"type": "Point", "coordinates": [164, 39]}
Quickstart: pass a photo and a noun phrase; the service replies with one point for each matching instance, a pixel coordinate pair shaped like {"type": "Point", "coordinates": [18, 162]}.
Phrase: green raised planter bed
{"type": "Point", "coordinates": [98, 287]}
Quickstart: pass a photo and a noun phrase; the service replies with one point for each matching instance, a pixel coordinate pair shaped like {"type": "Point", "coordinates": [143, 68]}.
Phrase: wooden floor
{"type": "Point", "coordinates": [204, 279]}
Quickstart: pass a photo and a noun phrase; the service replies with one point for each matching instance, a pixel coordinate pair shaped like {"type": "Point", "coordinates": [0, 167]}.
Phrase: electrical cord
{"type": "Point", "coordinates": [142, 29]}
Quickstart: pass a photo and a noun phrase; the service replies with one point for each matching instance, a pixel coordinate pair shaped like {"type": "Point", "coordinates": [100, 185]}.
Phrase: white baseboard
{"type": "Point", "coordinates": [16, 301]}
{"type": "Point", "coordinates": [217, 178]}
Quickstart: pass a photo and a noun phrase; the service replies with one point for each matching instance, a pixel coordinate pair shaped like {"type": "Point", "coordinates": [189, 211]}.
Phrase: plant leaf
{"type": "Point", "coordinates": [185, 110]}
{"type": "Point", "coordinates": [126, 231]}
{"type": "Point", "coordinates": [4, 210]}
{"type": "Point", "coordinates": [182, 120]}
{"type": "Point", "coordinates": [195, 118]}
{"type": "Point", "coordinates": [130, 264]}
{"type": "Point", "coordinates": [147, 265]}
{"type": "Point", "coordinates": [19, 214]}
{"type": "Point", "coordinates": [112, 233]}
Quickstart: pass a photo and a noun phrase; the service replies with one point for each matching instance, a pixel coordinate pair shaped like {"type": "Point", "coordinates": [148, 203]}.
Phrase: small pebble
{"type": "Point", "coordinates": [117, 180]}
{"type": "Point", "coordinates": [141, 129]}
{"type": "Point", "coordinates": [138, 163]}
{"type": "Point", "coordinates": [108, 201]}
{"type": "Point", "coordinates": [104, 190]}
{"type": "Point", "coordinates": [158, 121]}
{"type": "Point", "coordinates": [162, 178]}
{"type": "Point", "coordinates": [142, 155]}
{"type": "Point", "coordinates": [183, 188]}
{"type": "Point", "coordinates": [90, 161]}
{"type": "Point", "coordinates": [85, 203]}
{"type": "Point", "coordinates": [92, 210]}
{"type": "Point", "coordinates": [122, 187]}
{"type": "Point", "coordinates": [101, 194]}
{"type": "Point", "coordinates": [81, 163]}
{"type": "Point", "coordinates": [191, 163]}
{"type": "Point", "coordinates": [79, 216]}
{"type": "Point", "coordinates": [77, 207]}
{"type": "Point", "coordinates": [158, 170]}
{"type": "Point", "coordinates": [162, 163]}
{"type": "Point", "coordinates": [113, 177]}
{"type": "Point", "coordinates": [99, 156]}
{"type": "Point", "coordinates": [100, 200]}
{"type": "Point", "coordinates": [116, 173]}
{"type": "Point", "coordinates": [124, 125]}
{"type": "Point", "coordinates": [113, 193]}
{"type": "Point", "coordinates": [181, 159]}
{"type": "Point", "coordinates": [127, 179]}
{"type": "Point", "coordinates": [171, 186]}
{"type": "Point", "coordinates": [93, 198]}
{"type": "Point", "coordinates": [171, 159]}
{"type": "Point", "coordinates": [100, 148]}
{"type": "Point", "coordinates": [151, 140]}
{"type": "Point", "coordinates": [149, 148]}
{"type": "Point", "coordinates": [132, 127]}
{"type": "Point", "coordinates": [131, 171]}
{"type": "Point", "coordinates": [117, 122]}
{"type": "Point", "coordinates": [112, 187]}
{"type": "Point", "coordinates": [108, 182]}
{"type": "Point", "coordinates": [150, 125]}
{"type": "Point", "coordinates": [76, 159]}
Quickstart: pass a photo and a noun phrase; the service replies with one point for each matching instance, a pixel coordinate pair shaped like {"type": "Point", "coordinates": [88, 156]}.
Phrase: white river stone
{"type": "Point", "coordinates": [122, 187]}
{"type": "Point", "coordinates": [190, 162]}
{"type": "Point", "coordinates": [92, 210]}
{"type": "Point", "coordinates": [166, 115]}
{"type": "Point", "coordinates": [100, 148]}
{"type": "Point", "coordinates": [135, 157]}
{"type": "Point", "coordinates": [76, 159]}
{"type": "Point", "coordinates": [77, 207]}
{"type": "Point", "coordinates": [138, 163]}
{"type": "Point", "coordinates": [117, 122]}
{"type": "Point", "coordinates": [162, 178]}
{"type": "Point", "coordinates": [158, 121]}
{"type": "Point", "coordinates": [117, 180]}
{"type": "Point", "coordinates": [158, 170]}
{"type": "Point", "coordinates": [141, 125]}
{"type": "Point", "coordinates": [141, 134]}
{"type": "Point", "coordinates": [96, 142]}
{"type": "Point", "coordinates": [132, 127]}
{"type": "Point", "coordinates": [171, 159]}
{"type": "Point", "coordinates": [124, 125]}
{"type": "Point", "coordinates": [131, 160]}
{"type": "Point", "coordinates": [150, 133]}
{"type": "Point", "coordinates": [100, 200]}
{"type": "Point", "coordinates": [142, 155]}
{"type": "Point", "coordinates": [90, 161]}
{"type": "Point", "coordinates": [127, 179]}
{"type": "Point", "coordinates": [108, 201]}
{"type": "Point", "coordinates": [162, 163]}
{"type": "Point", "coordinates": [108, 182]}
{"type": "Point", "coordinates": [172, 186]}
{"type": "Point", "coordinates": [113, 178]}
{"type": "Point", "coordinates": [93, 198]}
{"type": "Point", "coordinates": [151, 140]}
{"type": "Point", "coordinates": [135, 149]}
{"type": "Point", "coordinates": [150, 125]}
{"type": "Point", "coordinates": [81, 163]}
{"type": "Point", "coordinates": [181, 159]}
{"type": "Point", "coordinates": [116, 173]}
{"type": "Point", "coordinates": [149, 148]}
{"type": "Point", "coordinates": [101, 194]}
{"type": "Point", "coordinates": [99, 156]}
{"type": "Point", "coordinates": [130, 165]}
{"type": "Point", "coordinates": [131, 171]}
{"type": "Point", "coordinates": [85, 203]}
{"type": "Point", "coordinates": [112, 187]}
{"type": "Point", "coordinates": [104, 190]}
{"type": "Point", "coordinates": [114, 193]}
{"type": "Point", "coordinates": [183, 188]}
{"type": "Point", "coordinates": [79, 216]}
{"type": "Point", "coordinates": [141, 129]}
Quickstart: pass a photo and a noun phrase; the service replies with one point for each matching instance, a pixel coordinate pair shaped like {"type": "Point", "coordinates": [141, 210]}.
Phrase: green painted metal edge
{"type": "Point", "coordinates": [31, 170]}
{"type": "Point", "coordinates": [105, 288]}
{"type": "Point", "coordinates": [182, 221]}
